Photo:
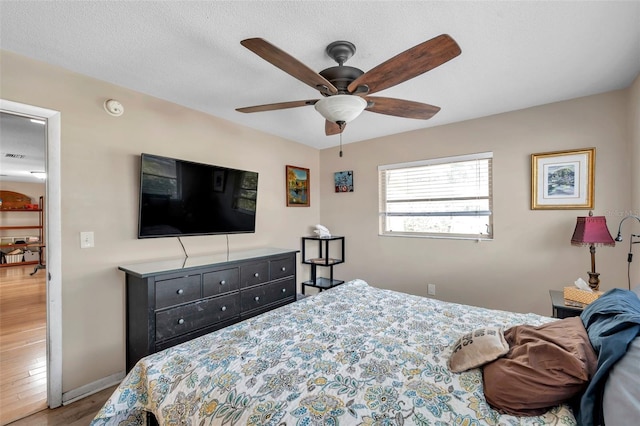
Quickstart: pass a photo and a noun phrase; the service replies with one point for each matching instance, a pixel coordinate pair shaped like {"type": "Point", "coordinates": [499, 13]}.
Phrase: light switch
{"type": "Point", "coordinates": [86, 239]}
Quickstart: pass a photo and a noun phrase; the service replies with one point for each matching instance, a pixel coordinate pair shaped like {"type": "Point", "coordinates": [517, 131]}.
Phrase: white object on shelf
{"type": "Point", "coordinates": [31, 256]}
{"type": "Point", "coordinates": [14, 258]}
{"type": "Point", "coordinates": [322, 231]}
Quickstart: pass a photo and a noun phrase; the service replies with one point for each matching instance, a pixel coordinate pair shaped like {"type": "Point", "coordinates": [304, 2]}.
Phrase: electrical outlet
{"type": "Point", "coordinates": [86, 240]}
{"type": "Point", "coordinates": [431, 289]}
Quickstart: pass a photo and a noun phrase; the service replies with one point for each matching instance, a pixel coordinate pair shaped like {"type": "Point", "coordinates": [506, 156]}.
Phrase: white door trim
{"type": "Point", "coordinates": [53, 240]}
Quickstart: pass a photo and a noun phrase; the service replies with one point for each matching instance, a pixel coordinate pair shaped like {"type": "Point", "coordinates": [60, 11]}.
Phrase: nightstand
{"type": "Point", "coordinates": [560, 310]}
{"type": "Point", "coordinates": [323, 259]}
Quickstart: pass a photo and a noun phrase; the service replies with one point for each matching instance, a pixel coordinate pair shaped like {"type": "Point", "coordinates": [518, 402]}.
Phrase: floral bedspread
{"type": "Point", "coordinates": [352, 355]}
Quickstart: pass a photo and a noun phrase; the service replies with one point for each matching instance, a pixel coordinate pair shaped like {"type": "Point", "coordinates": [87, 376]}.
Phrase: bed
{"type": "Point", "coordinates": [355, 354]}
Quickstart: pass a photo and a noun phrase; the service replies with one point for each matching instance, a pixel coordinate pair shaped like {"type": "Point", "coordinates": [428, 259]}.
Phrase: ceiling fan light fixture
{"type": "Point", "coordinates": [341, 107]}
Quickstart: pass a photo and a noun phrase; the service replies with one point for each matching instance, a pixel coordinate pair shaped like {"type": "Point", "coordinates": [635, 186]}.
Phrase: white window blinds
{"type": "Point", "coordinates": [444, 197]}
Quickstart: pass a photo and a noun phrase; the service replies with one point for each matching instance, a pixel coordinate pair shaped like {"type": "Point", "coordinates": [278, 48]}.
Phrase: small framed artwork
{"type": "Point", "coordinates": [297, 186]}
{"type": "Point", "coordinates": [343, 181]}
{"type": "Point", "coordinates": [563, 179]}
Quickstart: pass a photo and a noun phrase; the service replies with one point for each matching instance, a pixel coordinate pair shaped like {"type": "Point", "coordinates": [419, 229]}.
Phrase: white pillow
{"type": "Point", "coordinates": [477, 348]}
{"type": "Point", "coordinates": [621, 401]}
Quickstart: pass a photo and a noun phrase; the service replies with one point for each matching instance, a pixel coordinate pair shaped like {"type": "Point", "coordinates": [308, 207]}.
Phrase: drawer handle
{"type": "Point", "coordinates": [283, 269]}
{"type": "Point", "coordinates": [284, 290]}
{"type": "Point", "coordinates": [223, 282]}
{"type": "Point", "coordinates": [224, 308]}
{"type": "Point", "coordinates": [180, 291]}
{"type": "Point", "coordinates": [257, 298]}
{"type": "Point", "coordinates": [256, 275]}
{"type": "Point", "coordinates": [181, 321]}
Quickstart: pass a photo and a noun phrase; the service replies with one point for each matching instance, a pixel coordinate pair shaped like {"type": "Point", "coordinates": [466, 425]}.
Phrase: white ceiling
{"type": "Point", "coordinates": [22, 148]}
{"type": "Point", "coordinates": [514, 54]}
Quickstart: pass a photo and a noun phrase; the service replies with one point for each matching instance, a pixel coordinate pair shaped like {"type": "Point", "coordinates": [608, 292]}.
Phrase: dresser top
{"type": "Point", "coordinates": [147, 269]}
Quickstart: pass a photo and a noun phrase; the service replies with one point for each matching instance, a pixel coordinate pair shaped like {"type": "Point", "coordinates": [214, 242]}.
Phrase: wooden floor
{"type": "Point", "coordinates": [80, 413]}
{"type": "Point", "coordinates": [23, 375]}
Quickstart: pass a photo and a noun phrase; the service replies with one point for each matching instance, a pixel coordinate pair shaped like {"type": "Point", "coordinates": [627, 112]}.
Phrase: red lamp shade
{"type": "Point", "coordinates": [592, 230]}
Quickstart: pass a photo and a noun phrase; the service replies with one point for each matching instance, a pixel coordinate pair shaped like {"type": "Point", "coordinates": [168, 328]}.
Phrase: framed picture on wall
{"type": "Point", "coordinates": [297, 186]}
{"type": "Point", "coordinates": [343, 181]}
{"type": "Point", "coordinates": [563, 179]}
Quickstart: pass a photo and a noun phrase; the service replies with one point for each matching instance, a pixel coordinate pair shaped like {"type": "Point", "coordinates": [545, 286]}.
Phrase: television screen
{"type": "Point", "coordinates": [179, 198]}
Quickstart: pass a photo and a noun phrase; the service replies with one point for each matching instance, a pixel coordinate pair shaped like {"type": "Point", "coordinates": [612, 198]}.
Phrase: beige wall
{"type": "Point", "coordinates": [632, 226]}
{"type": "Point", "coordinates": [100, 156]}
{"type": "Point", "coordinates": [531, 252]}
{"type": "Point", "coordinates": [33, 190]}
{"type": "Point", "coordinates": [634, 150]}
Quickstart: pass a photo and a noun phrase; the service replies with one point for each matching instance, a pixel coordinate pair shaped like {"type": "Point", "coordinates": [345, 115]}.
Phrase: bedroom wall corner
{"type": "Point", "coordinates": [531, 252]}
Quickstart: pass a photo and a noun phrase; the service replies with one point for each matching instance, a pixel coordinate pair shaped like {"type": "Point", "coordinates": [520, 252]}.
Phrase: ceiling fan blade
{"type": "Point", "coordinates": [280, 105]}
{"type": "Point", "coordinates": [331, 128]}
{"type": "Point", "coordinates": [408, 64]}
{"type": "Point", "coordinates": [288, 64]}
{"type": "Point", "coordinates": [401, 108]}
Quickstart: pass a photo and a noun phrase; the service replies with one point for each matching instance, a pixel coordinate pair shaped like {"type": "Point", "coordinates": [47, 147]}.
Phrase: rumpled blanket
{"type": "Point", "coordinates": [612, 322]}
{"type": "Point", "coordinates": [546, 365]}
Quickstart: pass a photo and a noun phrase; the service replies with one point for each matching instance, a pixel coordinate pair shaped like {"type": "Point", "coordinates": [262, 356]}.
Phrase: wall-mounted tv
{"type": "Point", "coordinates": [180, 198]}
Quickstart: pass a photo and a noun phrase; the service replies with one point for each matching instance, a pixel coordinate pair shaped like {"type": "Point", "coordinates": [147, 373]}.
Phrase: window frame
{"type": "Point", "coordinates": [383, 214]}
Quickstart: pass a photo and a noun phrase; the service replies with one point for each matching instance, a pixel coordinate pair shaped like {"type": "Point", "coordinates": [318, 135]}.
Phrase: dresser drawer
{"type": "Point", "coordinates": [176, 321]}
{"type": "Point", "coordinates": [280, 268]}
{"type": "Point", "coordinates": [219, 282]}
{"type": "Point", "coordinates": [222, 308]}
{"type": "Point", "coordinates": [254, 273]}
{"type": "Point", "coordinates": [258, 297]}
{"type": "Point", "coordinates": [184, 319]}
{"type": "Point", "coordinates": [177, 290]}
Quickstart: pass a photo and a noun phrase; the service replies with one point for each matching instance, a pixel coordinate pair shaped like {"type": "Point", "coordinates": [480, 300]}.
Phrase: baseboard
{"type": "Point", "coordinates": [89, 389]}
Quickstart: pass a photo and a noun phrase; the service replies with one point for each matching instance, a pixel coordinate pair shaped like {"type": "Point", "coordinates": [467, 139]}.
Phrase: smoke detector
{"type": "Point", "coordinates": [113, 107]}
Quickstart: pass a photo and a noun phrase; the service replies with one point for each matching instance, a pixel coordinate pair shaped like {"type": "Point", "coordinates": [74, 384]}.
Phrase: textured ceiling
{"type": "Point", "coordinates": [514, 54]}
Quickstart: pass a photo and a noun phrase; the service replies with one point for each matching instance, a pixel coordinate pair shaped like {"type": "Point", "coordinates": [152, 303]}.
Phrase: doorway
{"type": "Point", "coordinates": [53, 238]}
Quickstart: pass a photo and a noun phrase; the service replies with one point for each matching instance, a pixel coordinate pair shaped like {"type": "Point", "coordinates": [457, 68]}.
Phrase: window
{"type": "Point", "coordinates": [444, 197]}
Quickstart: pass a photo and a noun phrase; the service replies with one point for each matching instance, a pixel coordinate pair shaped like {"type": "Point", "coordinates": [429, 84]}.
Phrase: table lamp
{"type": "Point", "coordinates": [592, 230]}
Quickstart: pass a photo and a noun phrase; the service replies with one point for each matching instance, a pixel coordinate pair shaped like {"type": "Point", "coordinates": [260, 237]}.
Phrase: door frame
{"type": "Point", "coordinates": [53, 252]}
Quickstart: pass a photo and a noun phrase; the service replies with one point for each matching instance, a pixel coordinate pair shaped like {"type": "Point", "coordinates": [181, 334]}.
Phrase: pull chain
{"type": "Point", "coordinates": [341, 125]}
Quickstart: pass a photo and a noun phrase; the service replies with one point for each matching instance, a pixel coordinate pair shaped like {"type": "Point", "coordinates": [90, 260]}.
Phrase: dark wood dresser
{"type": "Point", "coordinates": [172, 301]}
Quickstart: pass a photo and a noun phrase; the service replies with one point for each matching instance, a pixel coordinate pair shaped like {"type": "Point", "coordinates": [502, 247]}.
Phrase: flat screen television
{"type": "Point", "coordinates": [180, 198]}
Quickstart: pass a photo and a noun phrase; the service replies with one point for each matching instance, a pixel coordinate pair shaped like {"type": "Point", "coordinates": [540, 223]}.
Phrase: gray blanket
{"type": "Point", "coordinates": [612, 322]}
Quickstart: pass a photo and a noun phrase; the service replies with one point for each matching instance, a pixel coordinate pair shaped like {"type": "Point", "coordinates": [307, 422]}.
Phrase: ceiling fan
{"type": "Point", "coordinates": [346, 89]}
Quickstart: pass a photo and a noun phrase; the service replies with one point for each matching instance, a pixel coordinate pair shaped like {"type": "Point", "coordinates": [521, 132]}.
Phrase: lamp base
{"type": "Point", "coordinates": [594, 280]}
